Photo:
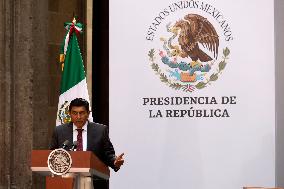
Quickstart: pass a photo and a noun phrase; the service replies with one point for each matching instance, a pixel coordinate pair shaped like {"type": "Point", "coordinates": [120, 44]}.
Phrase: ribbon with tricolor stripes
{"type": "Point", "coordinates": [71, 27]}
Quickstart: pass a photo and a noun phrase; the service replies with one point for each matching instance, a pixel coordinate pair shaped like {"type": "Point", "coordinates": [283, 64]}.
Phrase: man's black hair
{"type": "Point", "coordinates": [79, 102]}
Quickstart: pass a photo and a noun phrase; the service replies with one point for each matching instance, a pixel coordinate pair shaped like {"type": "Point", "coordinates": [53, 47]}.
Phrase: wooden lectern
{"type": "Point", "coordinates": [84, 163]}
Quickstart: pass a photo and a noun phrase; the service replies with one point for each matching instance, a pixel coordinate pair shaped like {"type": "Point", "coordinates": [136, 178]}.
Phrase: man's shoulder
{"type": "Point", "coordinates": [97, 125]}
{"type": "Point", "coordinates": [63, 126]}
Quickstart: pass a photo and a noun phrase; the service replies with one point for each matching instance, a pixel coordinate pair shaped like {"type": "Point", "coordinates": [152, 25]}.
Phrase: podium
{"type": "Point", "coordinates": [84, 164]}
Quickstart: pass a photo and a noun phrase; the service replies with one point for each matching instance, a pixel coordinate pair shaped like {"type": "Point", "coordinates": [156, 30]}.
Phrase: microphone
{"type": "Point", "coordinates": [74, 146]}
{"type": "Point", "coordinates": [65, 144]}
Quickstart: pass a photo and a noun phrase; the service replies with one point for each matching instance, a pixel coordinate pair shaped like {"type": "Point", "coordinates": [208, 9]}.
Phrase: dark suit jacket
{"type": "Point", "coordinates": [97, 141]}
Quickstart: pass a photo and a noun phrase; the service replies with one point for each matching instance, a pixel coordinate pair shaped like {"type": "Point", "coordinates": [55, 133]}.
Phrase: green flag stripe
{"type": "Point", "coordinates": [73, 71]}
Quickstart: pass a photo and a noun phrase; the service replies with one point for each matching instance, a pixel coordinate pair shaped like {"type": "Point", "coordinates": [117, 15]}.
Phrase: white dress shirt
{"type": "Point", "coordinates": [84, 135]}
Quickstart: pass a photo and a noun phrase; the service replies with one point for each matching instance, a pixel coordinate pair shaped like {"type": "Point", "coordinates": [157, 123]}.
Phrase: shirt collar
{"type": "Point", "coordinates": [84, 127]}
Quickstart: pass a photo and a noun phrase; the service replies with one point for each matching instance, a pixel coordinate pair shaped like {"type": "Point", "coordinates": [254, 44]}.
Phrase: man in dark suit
{"type": "Point", "coordinates": [89, 136]}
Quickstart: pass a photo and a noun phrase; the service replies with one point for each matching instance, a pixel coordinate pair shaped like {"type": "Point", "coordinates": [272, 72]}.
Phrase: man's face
{"type": "Point", "coordinates": [79, 116]}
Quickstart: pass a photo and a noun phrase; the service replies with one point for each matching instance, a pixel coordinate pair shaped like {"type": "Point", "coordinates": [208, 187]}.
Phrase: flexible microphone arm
{"type": "Point", "coordinates": [74, 146]}
{"type": "Point", "coordinates": [65, 144]}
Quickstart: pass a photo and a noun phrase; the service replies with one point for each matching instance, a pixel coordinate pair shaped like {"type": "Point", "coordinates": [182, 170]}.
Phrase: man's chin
{"type": "Point", "coordinates": [79, 124]}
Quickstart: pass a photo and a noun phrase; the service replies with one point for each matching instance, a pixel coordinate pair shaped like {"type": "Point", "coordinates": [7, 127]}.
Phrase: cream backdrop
{"type": "Point", "coordinates": [193, 152]}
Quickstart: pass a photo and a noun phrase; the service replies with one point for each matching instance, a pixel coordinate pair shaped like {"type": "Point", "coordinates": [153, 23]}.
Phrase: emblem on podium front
{"type": "Point", "coordinates": [59, 161]}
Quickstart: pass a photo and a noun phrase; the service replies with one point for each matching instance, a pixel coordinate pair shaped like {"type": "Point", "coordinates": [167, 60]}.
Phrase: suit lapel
{"type": "Point", "coordinates": [70, 133]}
{"type": "Point", "coordinates": [89, 131]}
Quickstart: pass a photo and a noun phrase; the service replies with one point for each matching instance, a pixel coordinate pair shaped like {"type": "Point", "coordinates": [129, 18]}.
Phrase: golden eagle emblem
{"type": "Point", "coordinates": [190, 54]}
{"type": "Point", "coordinates": [195, 29]}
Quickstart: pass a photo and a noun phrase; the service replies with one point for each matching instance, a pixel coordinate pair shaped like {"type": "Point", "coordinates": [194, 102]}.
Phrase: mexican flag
{"type": "Point", "coordinates": [73, 81]}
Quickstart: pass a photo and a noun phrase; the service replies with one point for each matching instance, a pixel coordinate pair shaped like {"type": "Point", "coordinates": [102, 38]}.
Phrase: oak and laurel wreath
{"type": "Point", "coordinates": [200, 85]}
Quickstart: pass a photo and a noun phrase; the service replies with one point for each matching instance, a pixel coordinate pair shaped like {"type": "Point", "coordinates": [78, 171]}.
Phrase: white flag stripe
{"type": "Point", "coordinates": [78, 91]}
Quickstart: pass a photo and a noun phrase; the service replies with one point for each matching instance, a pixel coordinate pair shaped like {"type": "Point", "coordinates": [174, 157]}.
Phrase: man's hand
{"type": "Point", "coordinates": [119, 161]}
